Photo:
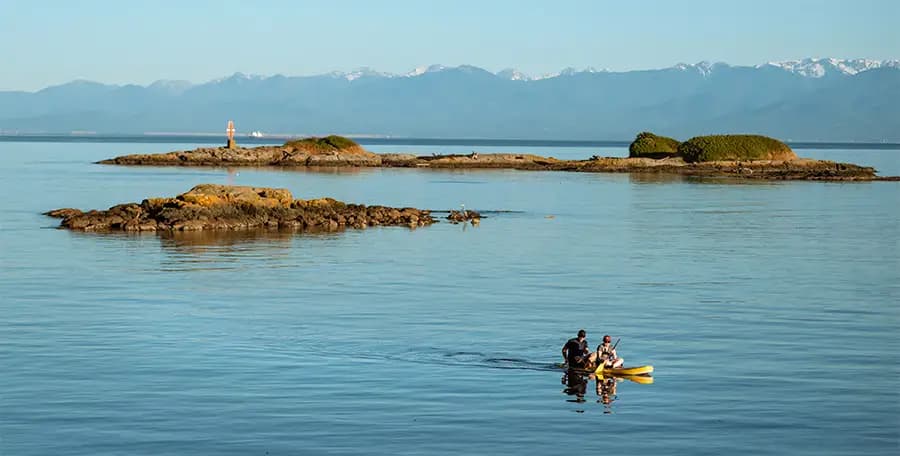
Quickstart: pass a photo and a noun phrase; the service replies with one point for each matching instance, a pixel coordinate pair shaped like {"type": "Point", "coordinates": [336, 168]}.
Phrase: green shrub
{"type": "Point", "coordinates": [734, 147]}
{"type": "Point", "coordinates": [648, 145]}
{"type": "Point", "coordinates": [326, 144]}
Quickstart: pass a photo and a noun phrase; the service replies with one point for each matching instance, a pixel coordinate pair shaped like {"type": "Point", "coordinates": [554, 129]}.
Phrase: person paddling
{"type": "Point", "coordinates": [607, 353]}
{"type": "Point", "coordinates": [575, 351]}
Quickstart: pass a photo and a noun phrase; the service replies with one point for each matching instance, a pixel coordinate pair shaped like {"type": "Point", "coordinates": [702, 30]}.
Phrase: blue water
{"type": "Point", "coordinates": [769, 310]}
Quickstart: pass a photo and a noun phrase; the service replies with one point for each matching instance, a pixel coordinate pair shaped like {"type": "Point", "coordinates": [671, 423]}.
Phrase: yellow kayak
{"type": "Point", "coordinates": [639, 370]}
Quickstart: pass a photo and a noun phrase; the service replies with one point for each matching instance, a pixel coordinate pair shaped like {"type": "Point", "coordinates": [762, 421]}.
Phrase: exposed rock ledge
{"type": "Point", "coordinates": [222, 207]}
{"type": "Point", "coordinates": [286, 155]}
{"type": "Point", "coordinates": [797, 169]}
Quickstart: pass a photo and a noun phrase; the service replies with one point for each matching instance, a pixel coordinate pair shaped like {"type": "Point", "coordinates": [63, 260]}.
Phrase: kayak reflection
{"type": "Point", "coordinates": [576, 382]}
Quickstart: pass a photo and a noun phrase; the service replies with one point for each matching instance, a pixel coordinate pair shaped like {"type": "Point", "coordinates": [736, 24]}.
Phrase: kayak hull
{"type": "Point", "coordinates": [639, 370]}
{"type": "Point", "coordinates": [642, 379]}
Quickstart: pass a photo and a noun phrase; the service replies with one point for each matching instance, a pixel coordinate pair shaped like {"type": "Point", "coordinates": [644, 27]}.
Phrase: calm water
{"type": "Point", "coordinates": [770, 311]}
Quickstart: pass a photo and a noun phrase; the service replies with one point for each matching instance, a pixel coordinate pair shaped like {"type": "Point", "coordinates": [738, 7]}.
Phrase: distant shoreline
{"type": "Point", "coordinates": [389, 141]}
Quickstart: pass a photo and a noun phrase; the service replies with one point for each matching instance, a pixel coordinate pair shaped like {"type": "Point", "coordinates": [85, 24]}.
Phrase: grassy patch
{"type": "Point", "coordinates": [324, 144]}
{"type": "Point", "coordinates": [734, 147]}
{"type": "Point", "coordinates": [648, 145]}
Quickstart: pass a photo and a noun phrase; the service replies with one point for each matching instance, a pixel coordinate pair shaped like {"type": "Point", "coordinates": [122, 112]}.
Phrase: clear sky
{"type": "Point", "coordinates": [121, 41]}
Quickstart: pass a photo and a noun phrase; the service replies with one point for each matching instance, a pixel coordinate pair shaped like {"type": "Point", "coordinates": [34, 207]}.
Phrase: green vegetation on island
{"type": "Point", "coordinates": [324, 144]}
{"type": "Point", "coordinates": [734, 147]}
{"type": "Point", "coordinates": [648, 145]}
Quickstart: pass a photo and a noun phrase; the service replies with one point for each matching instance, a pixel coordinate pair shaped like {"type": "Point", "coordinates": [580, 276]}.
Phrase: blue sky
{"type": "Point", "coordinates": [50, 42]}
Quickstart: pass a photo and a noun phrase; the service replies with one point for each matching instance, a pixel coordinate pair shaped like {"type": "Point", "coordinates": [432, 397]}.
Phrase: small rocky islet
{"type": "Point", "coordinates": [740, 156]}
{"type": "Point", "coordinates": [225, 207]}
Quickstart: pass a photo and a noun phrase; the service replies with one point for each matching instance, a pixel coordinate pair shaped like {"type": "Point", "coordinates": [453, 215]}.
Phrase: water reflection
{"type": "Point", "coordinates": [200, 241]}
{"type": "Point", "coordinates": [656, 178]}
{"type": "Point", "coordinates": [606, 387]}
{"type": "Point", "coordinates": [208, 240]}
{"type": "Point", "coordinates": [670, 178]}
{"type": "Point", "coordinates": [576, 385]}
{"type": "Point", "coordinates": [222, 250]}
{"type": "Point", "coordinates": [606, 392]}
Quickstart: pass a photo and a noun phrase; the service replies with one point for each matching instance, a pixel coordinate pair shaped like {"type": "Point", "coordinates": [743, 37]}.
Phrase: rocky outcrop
{"type": "Point", "coordinates": [293, 153]}
{"type": "Point", "coordinates": [799, 169]}
{"type": "Point", "coordinates": [221, 207]}
{"type": "Point", "coordinates": [464, 216]}
{"type": "Point", "coordinates": [790, 168]}
{"type": "Point", "coordinates": [476, 160]}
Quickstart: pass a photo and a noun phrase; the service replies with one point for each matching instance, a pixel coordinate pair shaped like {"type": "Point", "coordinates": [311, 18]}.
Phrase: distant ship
{"type": "Point", "coordinates": [256, 134]}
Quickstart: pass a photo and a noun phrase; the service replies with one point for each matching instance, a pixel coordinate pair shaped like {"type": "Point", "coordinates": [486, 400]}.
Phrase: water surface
{"type": "Point", "coordinates": [769, 309]}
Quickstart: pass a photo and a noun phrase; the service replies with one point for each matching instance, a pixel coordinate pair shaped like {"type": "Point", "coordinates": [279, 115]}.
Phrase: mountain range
{"type": "Point", "coordinates": [801, 100]}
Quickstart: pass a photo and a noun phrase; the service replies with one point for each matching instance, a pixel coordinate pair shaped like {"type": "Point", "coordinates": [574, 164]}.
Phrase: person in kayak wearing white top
{"type": "Point", "coordinates": [607, 353]}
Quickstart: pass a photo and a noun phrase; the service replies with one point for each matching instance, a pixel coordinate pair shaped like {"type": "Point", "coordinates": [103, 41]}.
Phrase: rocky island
{"type": "Point", "coordinates": [223, 207]}
{"type": "Point", "coordinates": [327, 151]}
{"type": "Point", "coordinates": [741, 156]}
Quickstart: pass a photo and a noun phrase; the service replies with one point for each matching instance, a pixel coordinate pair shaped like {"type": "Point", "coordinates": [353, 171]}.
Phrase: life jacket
{"type": "Point", "coordinates": [605, 351]}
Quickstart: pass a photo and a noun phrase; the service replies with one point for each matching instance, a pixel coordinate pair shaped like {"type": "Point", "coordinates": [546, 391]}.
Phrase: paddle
{"type": "Point", "coordinates": [615, 344]}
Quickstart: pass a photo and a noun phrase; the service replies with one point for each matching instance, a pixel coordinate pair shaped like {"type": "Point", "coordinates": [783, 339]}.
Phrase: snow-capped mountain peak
{"type": "Point", "coordinates": [817, 68]}
{"type": "Point", "coordinates": [513, 74]}
{"type": "Point", "coordinates": [704, 67]}
{"type": "Point", "coordinates": [359, 73]}
{"type": "Point", "coordinates": [808, 67]}
{"type": "Point", "coordinates": [425, 69]}
{"type": "Point", "coordinates": [239, 78]}
{"type": "Point", "coordinates": [570, 71]}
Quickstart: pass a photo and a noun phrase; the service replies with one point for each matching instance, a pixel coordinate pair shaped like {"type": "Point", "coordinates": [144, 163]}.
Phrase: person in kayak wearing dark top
{"type": "Point", "coordinates": [607, 354]}
{"type": "Point", "coordinates": [575, 352]}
